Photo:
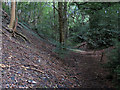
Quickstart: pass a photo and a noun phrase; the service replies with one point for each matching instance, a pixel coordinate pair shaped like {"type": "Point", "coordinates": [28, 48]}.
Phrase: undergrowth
{"type": "Point", "coordinates": [114, 64]}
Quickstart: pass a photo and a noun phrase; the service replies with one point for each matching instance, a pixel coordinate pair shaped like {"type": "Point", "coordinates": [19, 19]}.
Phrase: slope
{"type": "Point", "coordinates": [33, 64]}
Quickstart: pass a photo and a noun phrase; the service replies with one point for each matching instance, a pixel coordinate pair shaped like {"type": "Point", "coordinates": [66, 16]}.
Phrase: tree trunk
{"type": "Point", "coordinates": [65, 20]}
{"type": "Point", "coordinates": [54, 12]}
{"type": "Point", "coordinates": [12, 21]}
{"type": "Point", "coordinates": [61, 23]}
{"type": "Point", "coordinates": [54, 23]}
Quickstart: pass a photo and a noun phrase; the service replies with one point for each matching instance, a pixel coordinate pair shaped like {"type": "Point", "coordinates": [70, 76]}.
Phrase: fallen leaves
{"type": "Point", "coordinates": [3, 65]}
{"type": "Point", "coordinates": [34, 64]}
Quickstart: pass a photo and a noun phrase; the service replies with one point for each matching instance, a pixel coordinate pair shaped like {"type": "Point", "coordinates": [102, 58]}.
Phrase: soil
{"type": "Point", "coordinates": [34, 64]}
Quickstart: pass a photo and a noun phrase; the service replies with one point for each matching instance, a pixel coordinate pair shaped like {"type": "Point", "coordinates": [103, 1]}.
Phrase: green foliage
{"type": "Point", "coordinates": [114, 64]}
{"type": "Point", "coordinates": [91, 22]}
{"type": "Point", "coordinates": [95, 23]}
{"type": "Point", "coordinates": [100, 37]}
{"type": "Point", "coordinates": [102, 28]}
{"type": "Point", "coordinates": [77, 34]}
{"type": "Point", "coordinates": [61, 50]}
{"type": "Point", "coordinates": [6, 7]}
{"type": "Point", "coordinates": [39, 16]}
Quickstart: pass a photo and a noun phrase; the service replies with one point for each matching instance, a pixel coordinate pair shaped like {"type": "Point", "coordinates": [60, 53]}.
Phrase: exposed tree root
{"type": "Point", "coordinates": [17, 34]}
{"type": "Point", "coordinates": [14, 34]}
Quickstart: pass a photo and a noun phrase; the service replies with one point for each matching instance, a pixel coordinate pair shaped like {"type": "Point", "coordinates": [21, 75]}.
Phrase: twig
{"type": "Point", "coordinates": [37, 70]}
{"type": "Point", "coordinates": [32, 69]}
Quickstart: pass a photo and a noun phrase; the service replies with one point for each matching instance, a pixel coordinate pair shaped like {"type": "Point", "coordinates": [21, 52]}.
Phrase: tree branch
{"type": "Point", "coordinates": [55, 8]}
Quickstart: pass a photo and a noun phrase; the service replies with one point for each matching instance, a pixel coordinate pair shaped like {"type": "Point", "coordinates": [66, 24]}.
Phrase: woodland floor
{"type": "Point", "coordinates": [34, 64]}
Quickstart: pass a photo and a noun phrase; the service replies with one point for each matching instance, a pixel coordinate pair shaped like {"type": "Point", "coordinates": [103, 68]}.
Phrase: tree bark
{"type": "Point", "coordinates": [61, 23]}
{"type": "Point", "coordinates": [65, 20]}
{"type": "Point", "coordinates": [54, 18]}
{"type": "Point", "coordinates": [12, 21]}
{"type": "Point", "coordinates": [54, 12]}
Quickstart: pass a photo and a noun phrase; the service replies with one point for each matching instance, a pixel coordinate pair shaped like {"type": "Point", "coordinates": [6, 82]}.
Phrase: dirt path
{"type": "Point", "coordinates": [27, 65]}
{"type": "Point", "coordinates": [88, 70]}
